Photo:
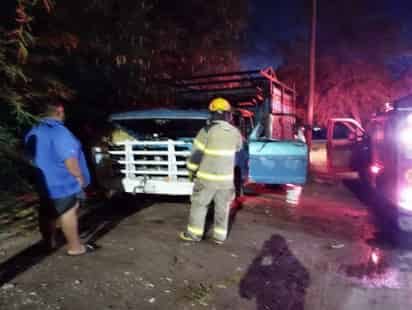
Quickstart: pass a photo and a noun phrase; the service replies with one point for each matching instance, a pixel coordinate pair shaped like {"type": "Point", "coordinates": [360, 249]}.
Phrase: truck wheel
{"type": "Point", "coordinates": [239, 188]}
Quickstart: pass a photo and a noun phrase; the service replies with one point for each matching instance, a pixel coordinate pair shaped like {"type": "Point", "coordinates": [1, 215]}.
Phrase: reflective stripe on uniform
{"type": "Point", "coordinates": [192, 166]}
{"type": "Point", "coordinates": [220, 152]}
{"type": "Point", "coordinates": [220, 231]}
{"type": "Point", "coordinates": [214, 152]}
{"type": "Point", "coordinates": [214, 177]}
{"type": "Point", "coordinates": [195, 231]}
{"type": "Point", "coordinates": [199, 144]}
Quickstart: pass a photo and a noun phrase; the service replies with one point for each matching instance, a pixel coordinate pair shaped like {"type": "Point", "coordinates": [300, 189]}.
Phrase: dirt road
{"type": "Point", "coordinates": [324, 254]}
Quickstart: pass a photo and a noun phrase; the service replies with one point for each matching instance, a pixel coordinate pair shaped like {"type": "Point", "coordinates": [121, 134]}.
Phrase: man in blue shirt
{"type": "Point", "coordinates": [61, 175]}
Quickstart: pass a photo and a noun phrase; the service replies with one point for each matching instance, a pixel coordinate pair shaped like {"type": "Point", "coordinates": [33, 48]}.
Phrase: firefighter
{"type": "Point", "coordinates": [211, 165]}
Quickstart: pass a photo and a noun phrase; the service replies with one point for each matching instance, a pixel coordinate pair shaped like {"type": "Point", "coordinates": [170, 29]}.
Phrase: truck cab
{"type": "Point", "coordinates": [381, 154]}
{"type": "Point", "coordinates": [147, 150]}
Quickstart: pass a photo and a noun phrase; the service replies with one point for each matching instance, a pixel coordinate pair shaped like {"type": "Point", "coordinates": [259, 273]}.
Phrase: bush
{"type": "Point", "coordinates": [15, 172]}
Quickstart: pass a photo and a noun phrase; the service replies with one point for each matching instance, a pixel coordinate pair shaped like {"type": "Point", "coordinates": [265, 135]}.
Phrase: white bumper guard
{"type": "Point", "coordinates": [148, 170]}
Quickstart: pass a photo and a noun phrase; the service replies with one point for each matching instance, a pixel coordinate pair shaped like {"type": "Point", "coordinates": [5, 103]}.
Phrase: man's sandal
{"type": "Point", "coordinates": [88, 248]}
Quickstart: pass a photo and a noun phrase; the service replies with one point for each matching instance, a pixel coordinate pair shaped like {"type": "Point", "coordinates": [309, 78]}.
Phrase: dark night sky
{"type": "Point", "coordinates": [270, 20]}
{"type": "Point", "coordinates": [274, 20]}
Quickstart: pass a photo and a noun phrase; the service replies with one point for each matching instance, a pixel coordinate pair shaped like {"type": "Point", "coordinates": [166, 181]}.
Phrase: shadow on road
{"type": "Point", "coordinates": [235, 207]}
{"type": "Point", "coordinates": [361, 191]}
{"type": "Point", "coordinates": [276, 278]}
{"type": "Point", "coordinates": [93, 225]}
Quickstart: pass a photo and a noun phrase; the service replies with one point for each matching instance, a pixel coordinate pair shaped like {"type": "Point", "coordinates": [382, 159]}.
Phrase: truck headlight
{"type": "Point", "coordinates": [98, 154]}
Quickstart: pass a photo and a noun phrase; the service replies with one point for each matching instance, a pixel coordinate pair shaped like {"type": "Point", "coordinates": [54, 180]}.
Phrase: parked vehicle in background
{"type": "Point", "coordinates": [318, 154]}
{"type": "Point", "coordinates": [381, 154]}
{"type": "Point", "coordinates": [148, 148]}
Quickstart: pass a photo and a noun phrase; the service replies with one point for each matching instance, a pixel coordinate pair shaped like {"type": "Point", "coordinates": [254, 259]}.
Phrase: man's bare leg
{"type": "Point", "coordinates": [70, 230]}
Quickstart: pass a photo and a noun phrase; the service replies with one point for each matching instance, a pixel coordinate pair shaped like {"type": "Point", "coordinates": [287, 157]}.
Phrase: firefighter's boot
{"type": "Point", "coordinates": [187, 236]}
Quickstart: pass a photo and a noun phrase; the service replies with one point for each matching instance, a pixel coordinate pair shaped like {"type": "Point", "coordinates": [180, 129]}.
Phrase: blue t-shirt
{"type": "Point", "coordinates": [48, 145]}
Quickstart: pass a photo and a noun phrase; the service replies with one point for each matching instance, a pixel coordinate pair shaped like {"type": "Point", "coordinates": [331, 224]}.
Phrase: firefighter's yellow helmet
{"type": "Point", "coordinates": [219, 104]}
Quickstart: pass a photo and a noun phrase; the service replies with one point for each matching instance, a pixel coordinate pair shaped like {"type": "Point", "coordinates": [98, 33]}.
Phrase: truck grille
{"type": "Point", "coordinates": [151, 159]}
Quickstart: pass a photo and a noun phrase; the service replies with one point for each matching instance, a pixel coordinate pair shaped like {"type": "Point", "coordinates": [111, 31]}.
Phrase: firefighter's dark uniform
{"type": "Point", "coordinates": [212, 163]}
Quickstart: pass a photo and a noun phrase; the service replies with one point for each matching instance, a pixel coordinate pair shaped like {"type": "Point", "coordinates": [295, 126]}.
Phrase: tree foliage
{"type": "Point", "coordinates": [360, 60]}
{"type": "Point", "coordinates": [105, 55]}
{"type": "Point", "coordinates": [141, 42]}
{"type": "Point", "coordinates": [26, 84]}
{"type": "Point", "coordinates": [112, 49]}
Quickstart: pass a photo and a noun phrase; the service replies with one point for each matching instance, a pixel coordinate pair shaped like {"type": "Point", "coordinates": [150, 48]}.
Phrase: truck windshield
{"type": "Point", "coordinates": [162, 128]}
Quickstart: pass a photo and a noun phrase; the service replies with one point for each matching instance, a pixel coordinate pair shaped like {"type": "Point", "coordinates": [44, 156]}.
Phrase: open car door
{"type": "Point", "coordinates": [275, 161]}
{"type": "Point", "coordinates": [343, 138]}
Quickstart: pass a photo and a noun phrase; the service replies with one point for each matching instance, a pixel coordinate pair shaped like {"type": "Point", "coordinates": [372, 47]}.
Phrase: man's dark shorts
{"type": "Point", "coordinates": [54, 208]}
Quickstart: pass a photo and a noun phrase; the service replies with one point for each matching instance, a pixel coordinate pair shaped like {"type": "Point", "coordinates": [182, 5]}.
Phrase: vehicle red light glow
{"type": "Point", "coordinates": [406, 136]}
{"type": "Point", "coordinates": [375, 168]}
{"type": "Point", "coordinates": [409, 118]}
{"type": "Point", "coordinates": [375, 257]}
{"type": "Point", "coordinates": [405, 199]}
{"type": "Point", "coordinates": [408, 176]}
